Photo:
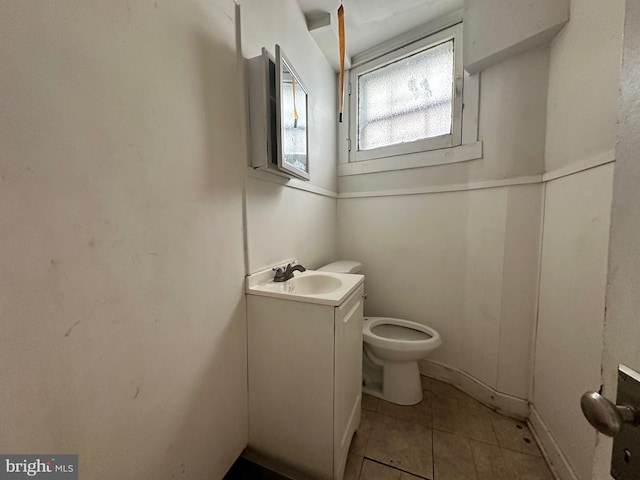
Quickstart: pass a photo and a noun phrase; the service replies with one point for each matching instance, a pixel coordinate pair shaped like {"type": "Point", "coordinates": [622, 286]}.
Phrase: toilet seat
{"type": "Point", "coordinates": [399, 335]}
{"type": "Point", "coordinates": [397, 332]}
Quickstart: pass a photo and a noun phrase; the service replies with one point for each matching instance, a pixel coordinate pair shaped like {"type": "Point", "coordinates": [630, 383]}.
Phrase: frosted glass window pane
{"type": "Point", "coordinates": [407, 100]}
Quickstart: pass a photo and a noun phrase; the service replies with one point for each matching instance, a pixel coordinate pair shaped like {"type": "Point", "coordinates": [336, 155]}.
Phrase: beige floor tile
{"type": "Point", "coordinates": [426, 382]}
{"type": "Point", "coordinates": [474, 406]}
{"type": "Point", "coordinates": [402, 444]}
{"type": "Point", "coordinates": [354, 466]}
{"type": "Point", "coordinates": [440, 388]}
{"type": "Point", "coordinates": [408, 476]}
{"type": "Point", "coordinates": [452, 457]}
{"type": "Point", "coordinates": [376, 471]}
{"type": "Point", "coordinates": [515, 435]}
{"type": "Point", "coordinates": [420, 413]}
{"type": "Point", "coordinates": [525, 467]}
{"type": "Point", "coordinates": [489, 462]}
{"type": "Point", "coordinates": [360, 438]}
{"type": "Point", "coordinates": [450, 416]}
{"type": "Point", "coordinates": [369, 403]}
{"type": "Point", "coordinates": [444, 390]}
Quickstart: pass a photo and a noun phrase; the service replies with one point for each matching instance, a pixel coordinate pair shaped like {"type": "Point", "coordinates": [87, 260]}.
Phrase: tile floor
{"type": "Point", "coordinates": [448, 436]}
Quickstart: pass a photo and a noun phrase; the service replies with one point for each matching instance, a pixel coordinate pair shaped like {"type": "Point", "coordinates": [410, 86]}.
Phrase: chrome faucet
{"type": "Point", "coordinates": [286, 274]}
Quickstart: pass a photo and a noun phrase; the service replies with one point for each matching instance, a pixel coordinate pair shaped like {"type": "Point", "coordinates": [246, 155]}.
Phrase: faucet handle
{"type": "Point", "coordinates": [283, 268]}
{"type": "Point", "coordinates": [280, 273]}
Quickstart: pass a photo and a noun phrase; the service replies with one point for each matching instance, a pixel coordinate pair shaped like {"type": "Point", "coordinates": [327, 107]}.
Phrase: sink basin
{"type": "Point", "coordinates": [309, 286]}
{"type": "Point", "coordinates": [312, 284]}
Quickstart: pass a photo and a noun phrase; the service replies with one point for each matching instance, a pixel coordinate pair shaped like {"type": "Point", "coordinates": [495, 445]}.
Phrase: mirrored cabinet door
{"type": "Point", "coordinates": [291, 119]}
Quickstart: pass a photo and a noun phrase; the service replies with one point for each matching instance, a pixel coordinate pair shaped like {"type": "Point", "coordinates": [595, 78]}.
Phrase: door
{"type": "Point", "coordinates": [622, 319]}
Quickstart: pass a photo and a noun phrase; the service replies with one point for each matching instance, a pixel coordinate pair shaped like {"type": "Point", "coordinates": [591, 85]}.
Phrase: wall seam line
{"type": "Point", "coordinates": [537, 304]}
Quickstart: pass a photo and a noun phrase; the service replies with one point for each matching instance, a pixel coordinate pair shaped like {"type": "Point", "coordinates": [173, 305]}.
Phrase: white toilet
{"type": "Point", "coordinates": [391, 350]}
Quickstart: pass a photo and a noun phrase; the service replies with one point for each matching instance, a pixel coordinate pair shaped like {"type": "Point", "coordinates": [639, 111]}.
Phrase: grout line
{"type": "Point", "coordinates": [392, 466]}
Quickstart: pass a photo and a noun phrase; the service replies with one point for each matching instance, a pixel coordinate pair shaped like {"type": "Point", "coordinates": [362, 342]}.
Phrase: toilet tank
{"type": "Point", "coordinates": [342, 266]}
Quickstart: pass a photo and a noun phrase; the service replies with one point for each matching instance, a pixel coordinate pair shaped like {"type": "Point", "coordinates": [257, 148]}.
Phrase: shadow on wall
{"type": "Point", "coordinates": [213, 413]}
{"type": "Point", "coordinates": [213, 425]}
{"type": "Point", "coordinates": [224, 114]}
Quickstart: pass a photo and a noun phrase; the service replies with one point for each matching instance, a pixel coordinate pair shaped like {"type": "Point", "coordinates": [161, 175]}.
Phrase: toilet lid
{"type": "Point", "coordinates": [397, 332]}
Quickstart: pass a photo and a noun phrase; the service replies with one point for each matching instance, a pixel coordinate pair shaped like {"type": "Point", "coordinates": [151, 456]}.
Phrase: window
{"type": "Point", "coordinates": [409, 100]}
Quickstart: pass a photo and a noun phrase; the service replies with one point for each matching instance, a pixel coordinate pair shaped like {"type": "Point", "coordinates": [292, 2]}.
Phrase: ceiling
{"type": "Point", "coordinates": [371, 22]}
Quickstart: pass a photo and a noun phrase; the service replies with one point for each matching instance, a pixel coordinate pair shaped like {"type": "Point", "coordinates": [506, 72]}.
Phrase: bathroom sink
{"type": "Point", "coordinates": [309, 286]}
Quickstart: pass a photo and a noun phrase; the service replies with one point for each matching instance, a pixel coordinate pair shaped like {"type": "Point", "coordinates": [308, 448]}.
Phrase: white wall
{"type": "Point", "coordinates": [583, 83]}
{"type": "Point", "coordinates": [495, 30]}
{"type": "Point", "coordinates": [285, 222]}
{"type": "Point", "coordinates": [570, 319]}
{"type": "Point", "coordinates": [439, 259]}
{"type": "Point", "coordinates": [121, 288]}
{"type": "Point", "coordinates": [464, 262]}
{"type": "Point", "coordinates": [581, 132]}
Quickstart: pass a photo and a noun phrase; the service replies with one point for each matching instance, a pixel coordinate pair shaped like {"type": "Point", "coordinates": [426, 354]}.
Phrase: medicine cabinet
{"type": "Point", "coordinates": [278, 106]}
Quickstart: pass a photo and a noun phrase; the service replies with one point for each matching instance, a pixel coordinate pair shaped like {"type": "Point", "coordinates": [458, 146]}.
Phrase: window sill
{"type": "Point", "coordinates": [445, 156]}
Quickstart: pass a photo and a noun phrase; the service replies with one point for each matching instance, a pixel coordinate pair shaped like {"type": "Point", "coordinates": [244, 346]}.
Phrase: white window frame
{"type": "Point", "coordinates": [440, 142]}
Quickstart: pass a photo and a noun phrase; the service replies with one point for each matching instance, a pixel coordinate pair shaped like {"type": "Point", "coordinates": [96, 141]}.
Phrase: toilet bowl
{"type": "Point", "coordinates": [391, 350]}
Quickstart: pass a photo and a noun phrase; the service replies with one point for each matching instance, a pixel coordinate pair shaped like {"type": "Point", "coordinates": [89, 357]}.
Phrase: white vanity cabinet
{"type": "Point", "coordinates": [305, 381]}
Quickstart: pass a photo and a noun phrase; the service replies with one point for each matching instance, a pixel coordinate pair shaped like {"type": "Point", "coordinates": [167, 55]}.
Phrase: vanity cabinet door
{"type": "Point", "coordinates": [347, 376]}
{"type": "Point", "coordinates": [291, 355]}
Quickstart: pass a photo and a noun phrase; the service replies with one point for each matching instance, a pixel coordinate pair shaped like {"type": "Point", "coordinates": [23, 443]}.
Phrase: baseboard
{"type": "Point", "coordinates": [274, 468]}
{"type": "Point", "coordinates": [550, 450]}
{"type": "Point", "coordinates": [501, 402]}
